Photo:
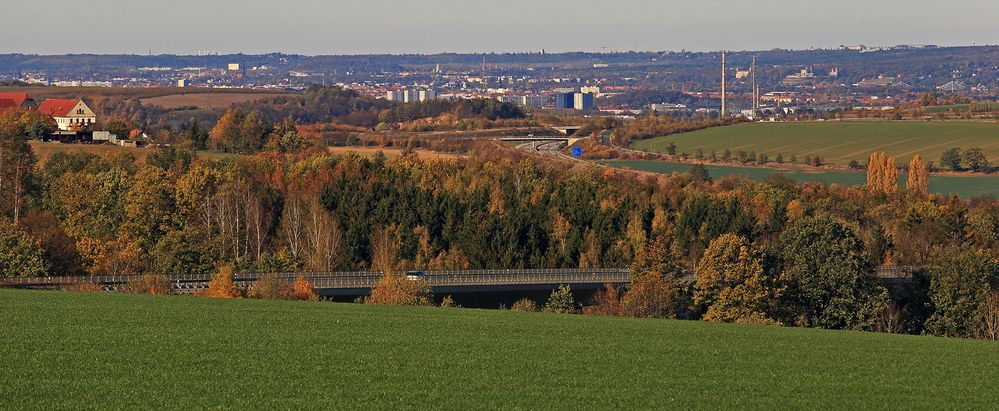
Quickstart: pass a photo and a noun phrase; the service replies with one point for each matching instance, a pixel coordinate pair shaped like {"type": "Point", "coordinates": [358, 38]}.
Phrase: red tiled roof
{"type": "Point", "coordinates": [131, 135]}
{"type": "Point", "coordinates": [56, 107]}
{"type": "Point", "coordinates": [17, 98]}
{"type": "Point", "coordinates": [7, 104]}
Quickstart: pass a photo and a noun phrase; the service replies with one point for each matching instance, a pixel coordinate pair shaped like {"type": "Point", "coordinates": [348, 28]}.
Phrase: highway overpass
{"type": "Point", "coordinates": [441, 281]}
{"type": "Point", "coordinates": [543, 139]}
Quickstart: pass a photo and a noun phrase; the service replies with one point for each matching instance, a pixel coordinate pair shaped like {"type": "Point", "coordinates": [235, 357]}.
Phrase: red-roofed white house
{"type": "Point", "coordinates": [68, 114]}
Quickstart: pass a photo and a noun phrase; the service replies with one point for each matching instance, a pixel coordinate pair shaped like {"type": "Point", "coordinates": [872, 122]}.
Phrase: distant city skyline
{"type": "Point", "coordinates": [435, 26]}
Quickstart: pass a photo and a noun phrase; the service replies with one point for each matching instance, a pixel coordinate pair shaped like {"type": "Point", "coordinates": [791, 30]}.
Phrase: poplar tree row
{"type": "Point", "coordinates": [882, 175]}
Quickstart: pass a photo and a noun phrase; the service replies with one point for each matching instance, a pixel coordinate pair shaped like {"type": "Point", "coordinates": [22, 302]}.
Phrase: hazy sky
{"type": "Point", "coordinates": [427, 26]}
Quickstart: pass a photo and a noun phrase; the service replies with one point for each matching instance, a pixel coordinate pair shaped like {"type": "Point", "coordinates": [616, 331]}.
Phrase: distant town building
{"type": "Point", "coordinates": [524, 101]}
{"type": "Point", "coordinates": [235, 67]}
{"type": "Point", "coordinates": [779, 97]}
{"type": "Point", "coordinates": [564, 101]}
{"type": "Point", "coordinates": [577, 101]}
{"type": "Point", "coordinates": [78, 83]}
{"type": "Point", "coordinates": [396, 96]}
{"type": "Point", "coordinates": [666, 108]}
{"type": "Point", "coordinates": [583, 101]}
{"type": "Point", "coordinates": [68, 114]}
{"type": "Point", "coordinates": [428, 95]}
{"type": "Point", "coordinates": [741, 74]}
{"type": "Point", "coordinates": [183, 83]}
{"type": "Point", "coordinates": [410, 95]}
{"type": "Point", "coordinates": [879, 82]}
{"type": "Point", "coordinates": [805, 76]}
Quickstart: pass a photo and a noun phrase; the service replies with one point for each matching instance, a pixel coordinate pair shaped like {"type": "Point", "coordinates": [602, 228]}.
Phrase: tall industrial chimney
{"type": "Point", "coordinates": [722, 114]}
{"type": "Point", "coordinates": [756, 101]}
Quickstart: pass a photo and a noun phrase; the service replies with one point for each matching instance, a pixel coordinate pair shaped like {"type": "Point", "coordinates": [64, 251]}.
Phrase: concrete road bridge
{"type": "Point", "coordinates": [441, 281]}
{"type": "Point", "coordinates": [543, 139]}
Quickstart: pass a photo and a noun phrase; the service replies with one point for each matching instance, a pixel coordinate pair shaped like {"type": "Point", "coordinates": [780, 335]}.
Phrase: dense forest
{"type": "Point", "coordinates": [775, 252]}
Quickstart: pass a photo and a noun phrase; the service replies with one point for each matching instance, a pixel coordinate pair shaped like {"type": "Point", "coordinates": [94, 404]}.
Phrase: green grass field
{"type": "Point", "coordinates": [70, 350]}
{"type": "Point", "coordinates": [837, 142]}
{"type": "Point", "coordinates": [960, 108]}
{"type": "Point", "coordinates": [963, 186]}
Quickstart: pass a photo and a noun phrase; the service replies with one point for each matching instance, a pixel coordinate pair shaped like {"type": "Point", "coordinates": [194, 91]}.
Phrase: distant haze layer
{"type": "Point", "coordinates": [431, 26]}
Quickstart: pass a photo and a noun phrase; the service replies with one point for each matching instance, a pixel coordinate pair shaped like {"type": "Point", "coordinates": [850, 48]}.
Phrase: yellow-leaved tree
{"type": "Point", "coordinates": [882, 174]}
{"type": "Point", "coordinates": [874, 172]}
{"type": "Point", "coordinates": [732, 284]}
{"type": "Point", "coordinates": [890, 174]}
{"type": "Point", "coordinates": [919, 182]}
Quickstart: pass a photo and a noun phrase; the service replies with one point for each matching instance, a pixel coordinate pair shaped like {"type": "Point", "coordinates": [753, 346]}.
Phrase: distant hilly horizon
{"type": "Point", "coordinates": [486, 53]}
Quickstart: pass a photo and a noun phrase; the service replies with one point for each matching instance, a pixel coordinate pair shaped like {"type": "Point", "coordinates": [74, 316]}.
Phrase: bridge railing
{"type": "Point", "coordinates": [367, 279]}
{"type": "Point", "coordinates": [515, 277]}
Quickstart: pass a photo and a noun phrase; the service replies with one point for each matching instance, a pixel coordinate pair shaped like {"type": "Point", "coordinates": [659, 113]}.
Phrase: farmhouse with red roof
{"type": "Point", "coordinates": [15, 100]}
{"type": "Point", "coordinates": [68, 114]}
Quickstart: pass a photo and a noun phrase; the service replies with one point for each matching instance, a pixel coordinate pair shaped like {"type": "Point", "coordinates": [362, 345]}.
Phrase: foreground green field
{"type": "Point", "coordinates": [837, 142]}
{"type": "Point", "coordinates": [963, 186]}
{"type": "Point", "coordinates": [69, 350]}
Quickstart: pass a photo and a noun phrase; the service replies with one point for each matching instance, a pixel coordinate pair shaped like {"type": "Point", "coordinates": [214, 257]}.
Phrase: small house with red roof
{"type": "Point", "coordinates": [15, 100]}
{"type": "Point", "coordinates": [68, 114]}
{"type": "Point", "coordinates": [137, 134]}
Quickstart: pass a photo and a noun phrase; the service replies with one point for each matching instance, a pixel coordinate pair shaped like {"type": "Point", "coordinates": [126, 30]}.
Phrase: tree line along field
{"type": "Point", "coordinates": [837, 142]}
{"type": "Point", "coordinates": [44, 150]}
{"type": "Point", "coordinates": [202, 100]}
{"type": "Point", "coordinates": [962, 186]}
{"type": "Point", "coordinates": [962, 108]}
{"type": "Point", "coordinates": [81, 350]}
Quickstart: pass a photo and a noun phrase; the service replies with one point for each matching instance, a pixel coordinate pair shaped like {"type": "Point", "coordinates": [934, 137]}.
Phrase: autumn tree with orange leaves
{"type": "Point", "coordinates": [919, 182]}
{"type": "Point", "coordinates": [222, 284]}
{"type": "Point", "coordinates": [882, 174]}
{"type": "Point", "coordinates": [304, 290]}
{"type": "Point", "coordinates": [396, 289]}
